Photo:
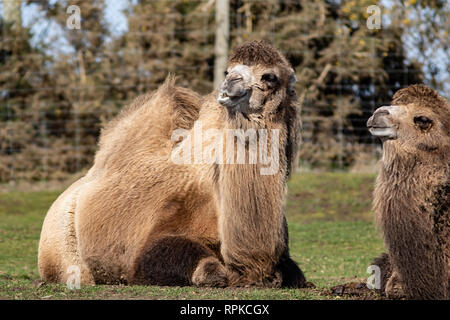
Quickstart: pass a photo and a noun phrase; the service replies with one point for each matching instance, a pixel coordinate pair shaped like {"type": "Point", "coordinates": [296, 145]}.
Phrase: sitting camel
{"type": "Point", "coordinates": [412, 194]}
{"type": "Point", "coordinates": [140, 217]}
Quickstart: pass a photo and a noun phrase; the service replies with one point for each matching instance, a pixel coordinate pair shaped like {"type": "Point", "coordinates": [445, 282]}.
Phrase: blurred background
{"type": "Point", "coordinates": [60, 84]}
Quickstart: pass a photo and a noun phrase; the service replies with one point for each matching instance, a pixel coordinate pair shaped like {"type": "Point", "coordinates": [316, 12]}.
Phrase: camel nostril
{"type": "Point", "coordinates": [235, 79]}
{"type": "Point", "coordinates": [382, 112]}
{"type": "Point", "coordinates": [379, 118]}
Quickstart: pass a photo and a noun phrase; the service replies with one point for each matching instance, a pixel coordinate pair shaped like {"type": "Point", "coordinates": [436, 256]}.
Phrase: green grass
{"type": "Point", "coordinates": [332, 237]}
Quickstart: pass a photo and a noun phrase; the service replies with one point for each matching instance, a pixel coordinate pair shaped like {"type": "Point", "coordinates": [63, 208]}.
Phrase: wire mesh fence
{"type": "Point", "coordinates": [63, 78]}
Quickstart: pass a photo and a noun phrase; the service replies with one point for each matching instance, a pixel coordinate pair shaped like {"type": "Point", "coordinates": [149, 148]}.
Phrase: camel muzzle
{"type": "Point", "coordinates": [380, 124]}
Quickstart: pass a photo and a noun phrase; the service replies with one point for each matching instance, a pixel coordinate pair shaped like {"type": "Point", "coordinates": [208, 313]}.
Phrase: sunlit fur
{"type": "Point", "coordinates": [136, 217]}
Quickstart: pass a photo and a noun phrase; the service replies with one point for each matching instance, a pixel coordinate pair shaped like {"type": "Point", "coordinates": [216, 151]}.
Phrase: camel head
{"type": "Point", "coordinates": [418, 122]}
{"type": "Point", "coordinates": [258, 80]}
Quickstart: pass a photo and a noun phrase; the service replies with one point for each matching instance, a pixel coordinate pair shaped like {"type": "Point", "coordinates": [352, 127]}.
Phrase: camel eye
{"type": "Point", "coordinates": [269, 77]}
{"type": "Point", "coordinates": [225, 73]}
{"type": "Point", "coordinates": [423, 122]}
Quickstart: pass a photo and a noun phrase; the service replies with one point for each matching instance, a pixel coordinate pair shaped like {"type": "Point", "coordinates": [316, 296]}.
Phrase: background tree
{"type": "Point", "coordinates": [77, 98]}
{"type": "Point", "coordinates": [21, 130]}
{"type": "Point", "coordinates": [55, 99]}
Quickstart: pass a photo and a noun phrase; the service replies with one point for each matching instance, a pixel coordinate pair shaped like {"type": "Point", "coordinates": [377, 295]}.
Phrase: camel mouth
{"type": "Point", "coordinates": [223, 96]}
{"type": "Point", "coordinates": [228, 100]}
{"type": "Point", "coordinates": [380, 125]}
{"type": "Point", "coordinates": [384, 133]}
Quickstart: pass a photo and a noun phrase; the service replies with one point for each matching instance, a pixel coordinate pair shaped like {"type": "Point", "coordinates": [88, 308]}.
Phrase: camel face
{"type": "Point", "coordinates": [411, 127]}
{"type": "Point", "coordinates": [236, 89]}
{"type": "Point", "coordinates": [254, 89]}
{"type": "Point", "coordinates": [259, 81]}
{"type": "Point", "coordinates": [384, 122]}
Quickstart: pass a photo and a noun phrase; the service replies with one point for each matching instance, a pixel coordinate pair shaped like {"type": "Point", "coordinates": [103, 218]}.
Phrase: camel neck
{"type": "Point", "coordinates": [409, 190]}
{"type": "Point", "coordinates": [251, 217]}
{"type": "Point", "coordinates": [250, 188]}
{"type": "Point", "coordinates": [251, 214]}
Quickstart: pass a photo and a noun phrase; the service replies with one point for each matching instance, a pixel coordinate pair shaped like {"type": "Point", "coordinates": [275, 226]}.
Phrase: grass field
{"type": "Point", "coordinates": [332, 237]}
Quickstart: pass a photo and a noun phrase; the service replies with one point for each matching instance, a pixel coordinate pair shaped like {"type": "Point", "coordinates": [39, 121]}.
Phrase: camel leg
{"type": "Point", "coordinates": [210, 272]}
{"type": "Point", "coordinates": [384, 263]}
{"type": "Point", "coordinates": [49, 264]}
{"type": "Point", "coordinates": [394, 288]}
{"type": "Point", "coordinates": [178, 261]}
{"type": "Point", "coordinates": [58, 253]}
{"type": "Point", "coordinates": [291, 275]}
{"type": "Point", "coordinates": [390, 280]}
{"type": "Point", "coordinates": [285, 274]}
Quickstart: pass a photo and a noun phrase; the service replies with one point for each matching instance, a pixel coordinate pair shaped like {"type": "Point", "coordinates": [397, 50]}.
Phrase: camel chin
{"type": "Point", "coordinates": [388, 133]}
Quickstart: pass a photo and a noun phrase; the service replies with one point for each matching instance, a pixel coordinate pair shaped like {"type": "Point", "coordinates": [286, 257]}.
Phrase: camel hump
{"type": "Point", "coordinates": [171, 106]}
{"type": "Point", "coordinates": [185, 106]}
{"type": "Point", "coordinates": [148, 122]}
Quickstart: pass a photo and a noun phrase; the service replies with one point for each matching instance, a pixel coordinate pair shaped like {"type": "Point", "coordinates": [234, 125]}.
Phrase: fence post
{"type": "Point", "coordinates": [221, 40]}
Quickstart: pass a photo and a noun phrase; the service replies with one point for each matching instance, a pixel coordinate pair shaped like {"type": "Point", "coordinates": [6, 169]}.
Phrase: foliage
{"type": "Point", "coordinates": [53, 103]}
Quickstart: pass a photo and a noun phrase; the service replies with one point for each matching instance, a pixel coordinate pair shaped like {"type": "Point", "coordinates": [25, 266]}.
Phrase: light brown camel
{"type": "Point", "coordinates": [140, 217]}
{"type": "Point", "coordinates": [412, 194]}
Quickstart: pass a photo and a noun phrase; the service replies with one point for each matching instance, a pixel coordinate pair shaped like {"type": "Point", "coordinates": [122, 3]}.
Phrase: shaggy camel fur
{"type": "Point", "coordinates": [412, 194]}
{"type": "Point", "coordinates": [139, 217]}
